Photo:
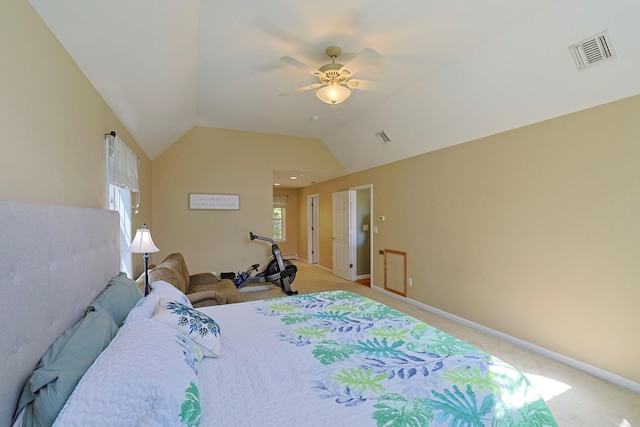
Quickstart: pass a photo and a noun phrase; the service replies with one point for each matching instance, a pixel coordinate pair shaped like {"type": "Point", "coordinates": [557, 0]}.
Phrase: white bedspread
{"type": "Point", "coordinates": [146, 377]}
{"type": "Point", "coordinates": [256, 381]}
{"type": "Point", "coordinates": [326, 359]}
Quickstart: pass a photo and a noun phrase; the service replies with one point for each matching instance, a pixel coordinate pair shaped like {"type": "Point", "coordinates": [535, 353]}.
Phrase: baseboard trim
{"type": "Point", "coordinates": [253, 288]}
{"type": "Point", "coordinates": [323, 267]}
{"type": "Point", "coordinates": [558, 357]}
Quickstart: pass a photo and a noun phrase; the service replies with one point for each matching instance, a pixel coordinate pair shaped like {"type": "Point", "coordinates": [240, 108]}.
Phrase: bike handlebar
{"type": "Point", "coordinates": [255, 236]}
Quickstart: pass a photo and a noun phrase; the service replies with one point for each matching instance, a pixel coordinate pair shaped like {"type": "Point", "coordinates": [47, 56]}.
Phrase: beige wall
{"type": "Point", "coordinates": [532, 232]}
{"type": "Point", "coordinates": [208, 160]}
{"type": "Point", "coordinates": [53, 121]}
{"type": "Point", "coordinates": [290, 245]}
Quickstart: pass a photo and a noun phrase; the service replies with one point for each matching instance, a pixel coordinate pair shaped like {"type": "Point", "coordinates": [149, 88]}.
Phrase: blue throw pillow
{"type": "Point", "coordinates": [119, 297]}
{"type": "Point", "coordinates": [62, 366]}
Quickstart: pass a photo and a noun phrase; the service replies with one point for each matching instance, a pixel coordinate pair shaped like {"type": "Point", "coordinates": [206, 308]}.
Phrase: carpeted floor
{"type": "Point", "coordinates": [575, 398]}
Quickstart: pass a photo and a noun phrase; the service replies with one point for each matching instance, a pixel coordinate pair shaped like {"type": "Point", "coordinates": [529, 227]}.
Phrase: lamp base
{"type": "Point", "coordinates": [146, 274]}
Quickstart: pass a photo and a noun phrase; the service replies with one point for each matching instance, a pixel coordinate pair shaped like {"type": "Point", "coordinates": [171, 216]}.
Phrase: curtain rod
{"type": "Point", "coordinates": [113, 134]}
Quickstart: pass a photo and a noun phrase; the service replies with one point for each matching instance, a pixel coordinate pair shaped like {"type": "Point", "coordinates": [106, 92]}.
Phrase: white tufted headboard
{"type": "Point", "coordinates": [54, 260]}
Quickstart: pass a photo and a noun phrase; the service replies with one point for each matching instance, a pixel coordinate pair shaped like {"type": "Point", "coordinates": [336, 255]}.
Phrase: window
{"type": "Point", "coordinates": [279, 217]}
{"type": "Point", "coordinates": [118, 202]}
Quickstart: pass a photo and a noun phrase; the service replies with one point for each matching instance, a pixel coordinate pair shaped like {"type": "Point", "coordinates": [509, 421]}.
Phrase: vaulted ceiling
{"type": "Point", "coordinates": [458, 69]}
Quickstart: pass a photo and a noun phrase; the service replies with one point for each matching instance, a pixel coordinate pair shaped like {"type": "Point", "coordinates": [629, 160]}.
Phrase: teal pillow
{"type": "Point", "coordinates": [119, 297]}
{"type": "Point", "coordinates": [62, 366]}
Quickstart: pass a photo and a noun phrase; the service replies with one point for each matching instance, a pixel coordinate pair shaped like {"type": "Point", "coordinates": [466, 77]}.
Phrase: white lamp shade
{"type": "Point", "coordinates": [333, 93]}
{"type": "Point", "coordinates": [142, 242]}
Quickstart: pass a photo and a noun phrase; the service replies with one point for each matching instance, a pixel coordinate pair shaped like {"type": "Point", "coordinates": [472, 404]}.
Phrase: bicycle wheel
{"type": "Point", "coordinates": [274, 268]}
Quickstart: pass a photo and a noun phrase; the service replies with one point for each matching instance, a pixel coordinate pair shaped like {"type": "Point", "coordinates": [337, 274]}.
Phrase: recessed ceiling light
{"type": "Point", "coordinates": [293, 177]}
{"type": "Point", "coordinates": [277, 183]}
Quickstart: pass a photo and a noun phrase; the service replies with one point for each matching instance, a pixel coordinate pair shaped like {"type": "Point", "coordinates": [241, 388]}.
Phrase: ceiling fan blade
{"type": "Point", "coordinates": [302, 89]}
{"type": "Point", "coordinates": [369, 85]}
{"type": "Point", "coordinates": [365, 57]}
{"type": "Point", "coordinates": [301, 65]}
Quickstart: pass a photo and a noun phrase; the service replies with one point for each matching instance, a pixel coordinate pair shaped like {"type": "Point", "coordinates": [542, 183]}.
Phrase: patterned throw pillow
{"type": "Point", "coordinates": [194, 324]}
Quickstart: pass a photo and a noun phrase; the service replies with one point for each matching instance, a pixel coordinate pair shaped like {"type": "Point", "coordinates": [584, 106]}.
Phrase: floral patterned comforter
{"type": "Point", "coordinates": [348, 360]}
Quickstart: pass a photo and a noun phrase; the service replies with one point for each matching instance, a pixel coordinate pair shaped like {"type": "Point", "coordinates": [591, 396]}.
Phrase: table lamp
{"type": "Point", "coordinates": [143, 244]}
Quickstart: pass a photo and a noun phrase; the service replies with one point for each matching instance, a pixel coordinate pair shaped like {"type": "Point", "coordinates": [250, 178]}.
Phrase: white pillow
{"type": "Point", "coordinates": [196, 325]}
{"type": "Point", "coordinates": [147, 376]}
{"type": "Point", "coordinates": [159, 290]}
{"type": "Point", "coordinates": [166, 288]}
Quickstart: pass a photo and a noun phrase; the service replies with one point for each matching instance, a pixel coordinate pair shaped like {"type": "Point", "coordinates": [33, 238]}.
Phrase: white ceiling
{"type": "Point", "coordinates": [459, 69]}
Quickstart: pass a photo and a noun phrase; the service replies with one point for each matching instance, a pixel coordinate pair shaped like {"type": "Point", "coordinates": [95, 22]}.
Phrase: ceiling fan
{"type": "Point", "coordinates": [335, 84]}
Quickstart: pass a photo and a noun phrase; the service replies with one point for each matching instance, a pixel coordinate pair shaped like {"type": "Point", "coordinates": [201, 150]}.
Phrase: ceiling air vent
{"type": "Point", "coordinates": [592, 50]}
{"type": "Point", "coordinates": [383, 137]}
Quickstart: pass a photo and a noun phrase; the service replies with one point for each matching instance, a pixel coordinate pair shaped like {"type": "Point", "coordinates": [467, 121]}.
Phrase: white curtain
{"type": "Point", "coordinates": [122, 180]}
{"type": "Point", "coordinates": [280, 201]}
{"type": "Point", "coordinates": [123, 165]}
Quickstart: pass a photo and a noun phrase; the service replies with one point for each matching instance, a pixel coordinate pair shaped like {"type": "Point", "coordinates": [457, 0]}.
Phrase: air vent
{"type": "Point", "coordinates": [383, 137]}
{"type": "Point", "coordinates": [592, 51]}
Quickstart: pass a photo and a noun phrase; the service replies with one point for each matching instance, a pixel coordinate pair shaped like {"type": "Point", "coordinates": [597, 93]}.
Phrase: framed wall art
{"type": "Point", "coordinates": [204, 201]}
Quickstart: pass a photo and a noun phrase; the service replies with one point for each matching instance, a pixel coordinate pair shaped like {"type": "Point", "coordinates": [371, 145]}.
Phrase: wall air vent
{"type": "Point", "coordinates": [592, 50]}
{"type": "Point", "coordinates": [383, 137]}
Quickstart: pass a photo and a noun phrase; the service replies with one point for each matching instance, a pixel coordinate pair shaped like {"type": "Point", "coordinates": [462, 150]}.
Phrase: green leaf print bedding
{"type": "Point", "coordinates": [397, 370]}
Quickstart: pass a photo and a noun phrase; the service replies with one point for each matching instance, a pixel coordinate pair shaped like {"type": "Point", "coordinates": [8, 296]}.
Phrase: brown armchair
{"type": "Point", "coordinates": [202, 289]}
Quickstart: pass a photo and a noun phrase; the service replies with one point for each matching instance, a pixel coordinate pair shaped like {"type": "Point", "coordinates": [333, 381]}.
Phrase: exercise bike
{"type": "Point", "coordinates": [280, 272]}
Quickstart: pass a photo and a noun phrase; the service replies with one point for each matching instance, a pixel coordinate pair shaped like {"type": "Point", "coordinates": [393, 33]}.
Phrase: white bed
{"type": "Point", "coordinates": [332, 358]}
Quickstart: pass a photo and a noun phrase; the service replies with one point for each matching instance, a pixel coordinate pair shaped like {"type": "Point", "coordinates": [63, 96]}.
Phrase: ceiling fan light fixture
{"type": "Point", "coordinates": [333, 93]}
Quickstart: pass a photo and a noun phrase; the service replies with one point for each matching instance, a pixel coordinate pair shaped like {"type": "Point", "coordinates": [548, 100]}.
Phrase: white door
{"type": "Point", "coordinates": [342, 235]}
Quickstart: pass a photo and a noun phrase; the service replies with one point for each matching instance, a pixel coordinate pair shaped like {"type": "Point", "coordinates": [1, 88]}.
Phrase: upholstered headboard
{"type": "Point", "coordinates": [54, 260]}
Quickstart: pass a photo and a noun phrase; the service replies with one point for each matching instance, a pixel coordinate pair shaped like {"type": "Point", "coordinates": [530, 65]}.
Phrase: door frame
{"type": "Point", "coordinates": [313, 229]}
